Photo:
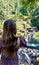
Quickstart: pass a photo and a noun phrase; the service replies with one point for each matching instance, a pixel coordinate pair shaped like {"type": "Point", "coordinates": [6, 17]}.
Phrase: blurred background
{"type": "Point", "coordinates": [26, 15]}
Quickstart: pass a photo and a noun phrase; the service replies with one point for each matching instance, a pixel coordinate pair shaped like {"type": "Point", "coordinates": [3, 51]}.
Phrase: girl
{"type": "Point", "coordinates": [10, 44]}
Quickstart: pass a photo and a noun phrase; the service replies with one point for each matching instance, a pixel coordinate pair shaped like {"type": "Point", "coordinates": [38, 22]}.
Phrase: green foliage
{"type": "Point", "coordinates": [2, 15]}
{"type": "Point", "coordinates": [36, 11]}
{"type": "Point", "coordinates": [9, 7]}
{"type": "Point", "coordinates": [20, 15]}
{"type": "Point", "coordinates": [23, 11]}
{"type": "Point", "coordinates": [30, 5]}
{"type": "Point", "coordinates": [33, 41]}
{"type": "Point", "coordinates": [34, 22]}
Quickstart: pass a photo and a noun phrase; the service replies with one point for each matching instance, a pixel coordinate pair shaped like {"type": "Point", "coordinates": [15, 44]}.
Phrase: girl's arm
{"type": "Point", "coordinates": [22, 42]}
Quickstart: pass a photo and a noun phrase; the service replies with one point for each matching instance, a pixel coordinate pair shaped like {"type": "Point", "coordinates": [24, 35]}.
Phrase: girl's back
{"type": "Point", "coordinates": [9, 61]}
{"type": "Point", "coordinates": [12, 61]}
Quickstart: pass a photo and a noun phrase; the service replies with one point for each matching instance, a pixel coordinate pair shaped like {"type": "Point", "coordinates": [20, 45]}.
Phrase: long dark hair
{"type": "Point", "coordinates": [9, 34]}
